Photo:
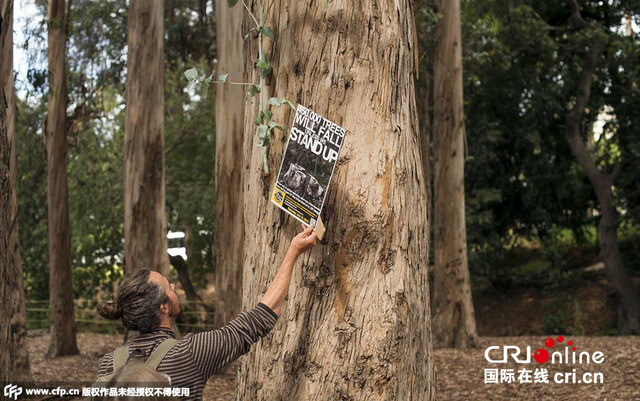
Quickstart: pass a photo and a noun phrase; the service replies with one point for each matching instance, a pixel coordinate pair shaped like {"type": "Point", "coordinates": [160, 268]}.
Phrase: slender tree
{"type": "Point", "coordinates": [228, 242]}
{"type": "Point", "coordinates": [14, 358]}
{"type": "Point", "coordinates": [357, 323]}
{"type": "Point", "coordinates": [454, 323]}
{"type": "Point", "coordinates": [145, 221]}
{"type": "Point", "coordinates": [63, 330]}
{"type": "Point", "coordinates": [602, 182]}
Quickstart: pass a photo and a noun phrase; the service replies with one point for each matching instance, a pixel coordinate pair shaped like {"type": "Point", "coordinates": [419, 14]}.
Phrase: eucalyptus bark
{"type": "Point", "coordinates": [454, 323]}
{"type": "Point", "coordinates": [229, 107]}
{"type": "Point", "coordinates": [357, 323]}
{"type": "Point", "coordinates": [145, 220]}
{"type": "Point", "coordinates": [602, 183]}
{"type": "Point", "coordinates": [63, 330]}
{"type": "Point", "coordinates": [14, 357]}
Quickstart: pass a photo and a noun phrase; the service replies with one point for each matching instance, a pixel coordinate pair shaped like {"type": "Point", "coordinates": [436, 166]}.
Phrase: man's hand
{"type": "Point", "coordinates": [274, 297]}
{"type": "Point", "coordinates": [303, 241]}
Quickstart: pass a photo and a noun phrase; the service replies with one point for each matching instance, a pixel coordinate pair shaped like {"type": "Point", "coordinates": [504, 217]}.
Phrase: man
{"type": "Point", "coordinates": [147, 302]}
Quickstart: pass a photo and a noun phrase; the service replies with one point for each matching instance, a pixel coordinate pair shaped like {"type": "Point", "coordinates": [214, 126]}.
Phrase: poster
{"type": "Point", "coordinates": [307, 166]}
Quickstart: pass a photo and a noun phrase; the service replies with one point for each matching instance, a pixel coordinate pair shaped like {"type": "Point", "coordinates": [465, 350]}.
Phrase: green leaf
{"type": "Point", "coordinates": [262, 63]}
{"type": "Point", "coordinates": [268, 115]}
{"type": "Point", "coordinates": [205, 86]}
{"type": "Point", "coordinates": [264, 141]}
{"type": "Point", "coordinates": [274, 101]}
{"type": "Point", "coordinates": [267, 71]}
{"type": "Point", "coordinates": [262, 134]}
{"type": "Point", "coordinates": [223, 78]}
{"type": "Point", "coordinates": [268, 32]}
{"type": "Point", "coordinates": [275, 125]}
{"type": "Point", "coordinates": [232, 3]}
{"type": "Point", "coordinates": [288, 103]}
{"type": "Point", "coordinates": [257, 121]}
{"type": "Point", "coordinates": [246, 36]}
{"type": "Point", "coordinates": [253, 89]}
{"type": "Point", "coordinates": [191, 74]}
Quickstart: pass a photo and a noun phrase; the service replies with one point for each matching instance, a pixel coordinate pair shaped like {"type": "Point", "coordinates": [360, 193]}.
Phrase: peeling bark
{"type": "Point", "coordinates": [63, 330]}
{"type": "Point", "coordinates": [229, 107]}
{"type": "Point", "coordinates": [145, 220]}
{"type": "Point", "coordinates": [14, 357]}
{"type": "Point", "coordinates": [454, 322]}
{"type": "Point", "coordinates": [357, 322]}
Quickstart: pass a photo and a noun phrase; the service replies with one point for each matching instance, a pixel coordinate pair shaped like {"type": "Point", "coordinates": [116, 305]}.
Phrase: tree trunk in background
{"type": "Point", "coordinates": [229, 233]}
{"type": "Point", "coordinates": [628, 295]}
{"type": "Point", "coordinates": [14, 358]}
{"type": "Point", "coordinates": [425, 135]}
{"type": "Point", "coordinates": [356, 324]}
{"type": "Point", "coordinates": [145, 220]}
{"type": "Point", "coordinates": [181, 267]}
{"type": "Point", "coordinates": [454, 323]}
{"type": "Point", "coordinates": [63, 331]}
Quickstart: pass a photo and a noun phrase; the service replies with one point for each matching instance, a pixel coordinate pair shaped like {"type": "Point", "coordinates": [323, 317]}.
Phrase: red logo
{"type": "Point", "coordinates": [542, 355]}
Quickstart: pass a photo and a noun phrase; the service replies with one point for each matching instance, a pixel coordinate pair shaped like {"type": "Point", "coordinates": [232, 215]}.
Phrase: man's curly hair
{"type": "Point", "coordinates": [137, 302]}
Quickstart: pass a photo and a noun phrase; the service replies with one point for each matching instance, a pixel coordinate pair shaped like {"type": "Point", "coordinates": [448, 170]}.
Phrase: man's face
{"type": "Point", "coordinates": [170, 289]}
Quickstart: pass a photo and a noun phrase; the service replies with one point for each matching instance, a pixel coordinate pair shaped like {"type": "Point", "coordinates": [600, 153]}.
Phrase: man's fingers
{"type": "Point", "coordinates": [306, 230]}
{"type": "Point", "coordinates": [311, 239]}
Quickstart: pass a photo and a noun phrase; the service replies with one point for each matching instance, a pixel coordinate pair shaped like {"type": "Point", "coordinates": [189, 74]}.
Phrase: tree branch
{"type": "Point", "coordinates": [576, 17]}
{"type": "Point", "coordinates": [615, 174]}
{"type": "Point", "coordinates": [548, 26]}
{"type": "Point", "coordinates": [525, 50]}
{"type": "Point", "coordinates": [176, 142]}
{"type": "Point", "coordinates": [183, 275]}
{"type": "Point", "coordinates": [573, 120]}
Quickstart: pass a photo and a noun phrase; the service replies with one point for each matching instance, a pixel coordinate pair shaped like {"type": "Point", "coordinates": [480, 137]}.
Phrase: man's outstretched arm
{"type": "Point", "coordinates": [214, 349]}
{"type": "Point", "coordinates": [274, 297]}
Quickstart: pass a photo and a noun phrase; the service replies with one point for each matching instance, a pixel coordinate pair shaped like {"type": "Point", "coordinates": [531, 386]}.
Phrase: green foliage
{"type": "Point", "coordinates": [95, 172]}
{"type": "Point", "coordinates": [555, 320]}
{"type": "Point", "coordinates": [576, 328]}
{"type": "Point", "coordinates": [521, 62]}
{"type": "Point", "coordinates": [189, 161]}
{"type": "Point", "coordinates": [32, 195]}
{"type": "Point", "coordinates": [265, 126]}
{"type": "Point", "coordinates": [96, 60]}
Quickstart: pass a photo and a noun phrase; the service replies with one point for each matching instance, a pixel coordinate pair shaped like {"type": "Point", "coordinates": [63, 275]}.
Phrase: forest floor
{"type": "Point", "coordinates": [460, 373]}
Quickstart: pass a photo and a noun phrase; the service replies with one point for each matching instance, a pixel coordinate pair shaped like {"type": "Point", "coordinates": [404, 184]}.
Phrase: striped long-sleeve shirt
{"type": "Point", "coordinates": [195, 358]}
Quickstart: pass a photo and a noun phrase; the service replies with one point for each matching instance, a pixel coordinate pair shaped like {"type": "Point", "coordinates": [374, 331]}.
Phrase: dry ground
{"type": "Point", "coordinates": [460, 374]}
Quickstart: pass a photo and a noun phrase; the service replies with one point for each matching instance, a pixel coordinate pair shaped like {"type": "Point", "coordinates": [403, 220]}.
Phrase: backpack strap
{"type": "Point", "coordinates": [161, 350]}
{"type": "Point", "coordinates": [120, 357]}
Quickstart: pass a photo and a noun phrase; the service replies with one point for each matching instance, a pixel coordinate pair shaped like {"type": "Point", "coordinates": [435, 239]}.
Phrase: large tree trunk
{"type": "Point", "coordinates": [63, 331]}
{"type": "Point", "coordinates": [454, 323]}
{"type": "Point", "coordinates": [628, 294]}
{"type": "Point", "coordinates": [229, 233]}
{"type": "Point", "coordinates": [357, 323]}
{"type": "Point", "coordinates": [145, 220]}
{"type": "Point", "coordinates": [14, 358]}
